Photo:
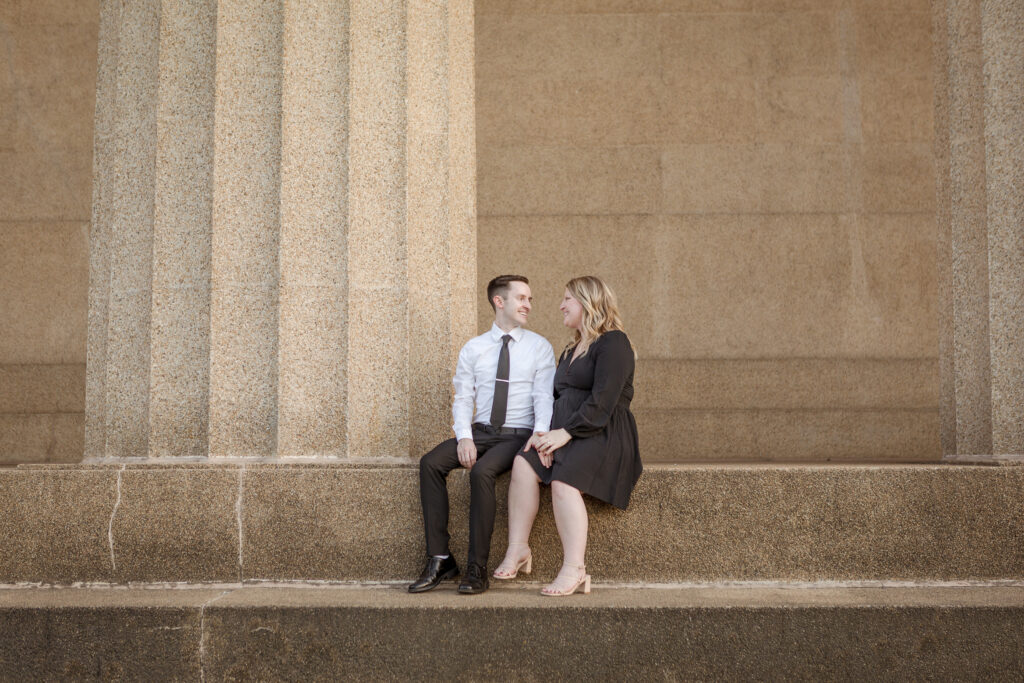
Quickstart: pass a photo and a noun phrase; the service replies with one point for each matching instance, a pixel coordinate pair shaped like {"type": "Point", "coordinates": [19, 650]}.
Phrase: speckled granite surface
{"type": "Point", "coordinates": [272, 522]}
{"type": "Point", "coordinates": [512, 633]}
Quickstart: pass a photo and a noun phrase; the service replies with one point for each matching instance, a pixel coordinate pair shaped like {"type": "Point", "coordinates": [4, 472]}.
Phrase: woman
{"type": "Point", "coordinates": [592, 447]}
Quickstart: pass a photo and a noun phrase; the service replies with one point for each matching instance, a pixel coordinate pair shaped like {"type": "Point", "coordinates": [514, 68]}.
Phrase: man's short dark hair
{"type": "Point", "coordinates": [499, 286]}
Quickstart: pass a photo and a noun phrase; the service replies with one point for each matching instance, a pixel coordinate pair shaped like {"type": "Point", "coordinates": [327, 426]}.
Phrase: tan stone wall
{"type": "Point", "coordinates": [47, 91]}
{"type": "Point", "coordinates": [755, 179]}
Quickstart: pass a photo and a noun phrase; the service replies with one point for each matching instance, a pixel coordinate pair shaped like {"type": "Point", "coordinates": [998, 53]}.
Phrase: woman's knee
{"type": "Point", "coordinates": [561, 490]}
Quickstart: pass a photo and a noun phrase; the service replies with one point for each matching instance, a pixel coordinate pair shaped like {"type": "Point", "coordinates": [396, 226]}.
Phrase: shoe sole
{"type": "Point", "coordinates": [450, 574]}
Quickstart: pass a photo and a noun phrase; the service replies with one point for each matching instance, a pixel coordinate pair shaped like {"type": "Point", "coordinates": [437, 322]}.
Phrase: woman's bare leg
{"type": "Point", "coordinates": [523, 501]}
{"type": "Point", "coordinates": [572, 522]}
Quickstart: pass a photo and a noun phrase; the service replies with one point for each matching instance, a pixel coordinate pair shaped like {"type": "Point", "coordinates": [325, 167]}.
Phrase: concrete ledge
{"type": "Point", "coordinates": [286, 522]}
{"type": "Point", "coordinates": [513, 634]}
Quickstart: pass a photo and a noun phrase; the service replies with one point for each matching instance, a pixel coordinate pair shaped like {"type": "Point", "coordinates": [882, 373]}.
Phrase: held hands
{"type": "Point", "coordinates": [533, 443]}
{"type": "Point", "coordinates": [547, 443]}
{"type": "Point", "coordinates": [467, 453]}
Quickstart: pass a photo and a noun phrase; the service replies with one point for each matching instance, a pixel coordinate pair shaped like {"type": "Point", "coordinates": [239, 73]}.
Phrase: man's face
{"type": "Point", "coordinates": [515, 308]}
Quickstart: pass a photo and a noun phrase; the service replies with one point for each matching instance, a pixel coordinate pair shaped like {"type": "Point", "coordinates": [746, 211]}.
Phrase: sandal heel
{"type": "Point", "coordinates": [583, 582]}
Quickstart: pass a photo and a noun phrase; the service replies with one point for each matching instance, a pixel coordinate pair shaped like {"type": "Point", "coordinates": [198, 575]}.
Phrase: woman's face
{"type": "Point", "coordinates": [572, 311]}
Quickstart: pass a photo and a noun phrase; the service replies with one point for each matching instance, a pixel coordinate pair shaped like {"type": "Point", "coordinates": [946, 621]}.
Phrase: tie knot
{"type": "Point", "coordinates": [506, 338]}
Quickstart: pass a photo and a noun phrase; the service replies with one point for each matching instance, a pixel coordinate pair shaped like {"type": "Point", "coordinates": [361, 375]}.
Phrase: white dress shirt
{"type": "Point", "coordinates": [530, 388]}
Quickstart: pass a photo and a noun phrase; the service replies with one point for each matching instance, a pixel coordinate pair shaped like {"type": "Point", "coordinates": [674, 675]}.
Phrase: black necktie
{"type": "Point", "coordinates": [500, 403]}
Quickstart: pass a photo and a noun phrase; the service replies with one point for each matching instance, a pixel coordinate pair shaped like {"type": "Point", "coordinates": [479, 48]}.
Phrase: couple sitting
{"type": "Point", "coordinates": [567, 425]}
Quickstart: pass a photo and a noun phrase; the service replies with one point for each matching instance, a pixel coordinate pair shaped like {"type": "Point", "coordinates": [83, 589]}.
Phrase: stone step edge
{"type": "Point", "coordinates": [513, 633]}
{"type": "Point", "coordinates": [514, 585]}
{"type": "Point", "coordinates": [965, 462]}
{"type": "Point", "coordinates": [521, 596]}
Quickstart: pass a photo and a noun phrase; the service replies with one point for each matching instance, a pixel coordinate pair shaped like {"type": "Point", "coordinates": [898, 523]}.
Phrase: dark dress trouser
{"type": "Point", "coordinates": [495, 454]}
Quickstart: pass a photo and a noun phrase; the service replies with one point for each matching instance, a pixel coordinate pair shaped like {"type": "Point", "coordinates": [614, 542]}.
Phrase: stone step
{"type": "Point", "coordinates": [233, 522]}
{"type": "Point", "coordinates": [513, 633]}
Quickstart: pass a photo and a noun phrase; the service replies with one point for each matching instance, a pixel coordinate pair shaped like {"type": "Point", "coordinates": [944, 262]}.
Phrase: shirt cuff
{"type": "Point", "coordinates": [542, 427]}
{"type": "Point", "coordinates": [463, 434]}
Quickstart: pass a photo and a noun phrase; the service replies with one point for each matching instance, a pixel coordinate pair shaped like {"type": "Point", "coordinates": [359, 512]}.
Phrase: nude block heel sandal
{"type": "Point", "coordinates": [526, 565]}
{"type": "Point", "coordinates": [584, 582]}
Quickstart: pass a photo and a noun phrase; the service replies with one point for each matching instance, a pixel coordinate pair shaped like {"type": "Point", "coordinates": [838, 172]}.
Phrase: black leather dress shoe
{"type": "Point", "coordinates": [436, 571]}
{"type": "Point", "coordinates": [475, 580]}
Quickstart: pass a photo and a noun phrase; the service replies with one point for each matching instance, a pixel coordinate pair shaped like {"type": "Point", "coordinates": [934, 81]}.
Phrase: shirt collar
{"type": "Point", "coordinates": [497, 333]}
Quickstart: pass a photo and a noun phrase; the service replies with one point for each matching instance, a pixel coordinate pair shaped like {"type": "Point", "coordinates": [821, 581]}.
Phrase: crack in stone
{"type": "Point", "coordinates": [238, 517]}
{"type": "Point", "coordinates": [202, 633]}
{"type": "Point", "coordinates": [113, 513]}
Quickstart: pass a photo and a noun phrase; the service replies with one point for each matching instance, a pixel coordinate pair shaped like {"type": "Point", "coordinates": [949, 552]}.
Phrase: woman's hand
{"type": "Point", "coordinates": [534, 443]}
{"type": "Point", "coordinates": [549, 442]}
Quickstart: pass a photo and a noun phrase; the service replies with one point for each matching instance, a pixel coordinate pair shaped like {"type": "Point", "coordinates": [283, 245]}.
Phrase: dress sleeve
{"type": "Point", "coordinates": [613, 365]}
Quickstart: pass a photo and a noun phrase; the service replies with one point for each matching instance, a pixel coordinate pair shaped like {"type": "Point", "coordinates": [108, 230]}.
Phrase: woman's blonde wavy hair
{"type": "Point", "coordinates": [600, 311]}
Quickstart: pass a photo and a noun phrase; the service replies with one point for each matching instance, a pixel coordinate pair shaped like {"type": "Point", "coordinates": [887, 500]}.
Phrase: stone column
{"type": "Point", "coordinates": [1003, 46]}
{"type": "Point", "coordinates": [980, 155]}
{"type": "Point", "coordinates": [246, 226]}
{"type": "Point", "coordinates": [283, 253]}
{"type": "Point", "coordinates": [121, 243]}
{"type": "Point", "coordinates": [314, 227]}
{"type": "Point", "coordinates": [179, 379]}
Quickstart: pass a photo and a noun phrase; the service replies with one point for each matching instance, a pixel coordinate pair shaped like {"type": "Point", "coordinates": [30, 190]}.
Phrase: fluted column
{"type": "Point", "coordinates": [314, 225]}
{"type": "Point", "coordinates": [246, 224]}
{"type": "Point", "coordinates": [104, 208]}
{"type": "Point", "coordinates": [180, 338]}
{"type": "Point", "coordinates": [441, 175]}
{"type": "Point", "coordinates": [378, 350]}
{"type": "Point", "coordinates": [288, 267]}
{"type": "Point", "coordinates": [980, 155]}
{"type": "Point", "coordinates": [1003, 47]}
{"type": "Point", "coordinates": [117, 421]}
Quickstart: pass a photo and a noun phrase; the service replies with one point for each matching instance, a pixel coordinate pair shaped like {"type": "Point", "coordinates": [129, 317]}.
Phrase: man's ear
{"type": "Point", "coordinates": [498, 302]}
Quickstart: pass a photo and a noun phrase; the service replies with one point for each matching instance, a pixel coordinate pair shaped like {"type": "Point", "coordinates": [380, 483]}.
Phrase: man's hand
{"type": "Point", "coordinates": [467, 453]}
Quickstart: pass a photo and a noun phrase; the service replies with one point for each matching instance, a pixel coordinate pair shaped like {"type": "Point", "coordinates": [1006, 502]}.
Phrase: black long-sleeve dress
{"type": "Point", "coordinates": [592, 397]}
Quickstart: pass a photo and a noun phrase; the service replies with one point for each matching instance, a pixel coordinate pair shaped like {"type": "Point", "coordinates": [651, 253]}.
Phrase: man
{"type": "Point", "coordinates": [508, 373]}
